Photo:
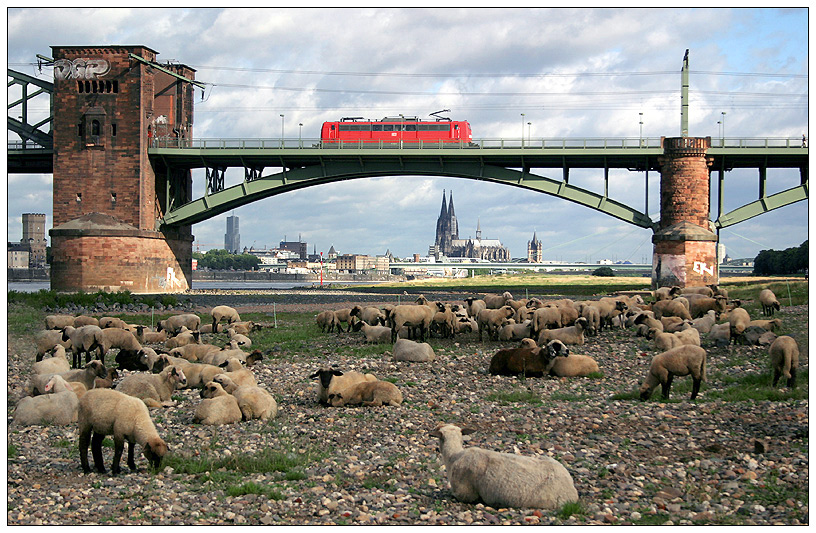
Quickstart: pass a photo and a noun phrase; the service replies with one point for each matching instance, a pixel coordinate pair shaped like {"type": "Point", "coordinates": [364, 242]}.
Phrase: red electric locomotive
{"type": "Point", "coordinates": [395, 132]}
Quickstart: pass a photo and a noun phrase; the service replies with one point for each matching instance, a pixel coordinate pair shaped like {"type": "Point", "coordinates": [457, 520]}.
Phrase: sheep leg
{"type": "Point", "coordinates": [118, 448]}
{"type": "Point", "coordinates": [96, 450]}
{"type": "Point", "coordinates": [695, 387]}
{"type": "Point", "coordinates": [792, 379]}
{"type": "Point", "coordinates": [776, 375]}
{"type": "Point", "coordinates": [84, 440]}
{"type": "Point", "coordinates": [667, 386]}
{"type": "Point", "coordinates": [131, 462]}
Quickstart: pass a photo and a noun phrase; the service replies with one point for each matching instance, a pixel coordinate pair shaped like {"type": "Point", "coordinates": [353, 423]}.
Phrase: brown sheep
{"type": "Point", "coordinates": [680, 361]}
{"type": "Point", "coordinates": [530, 361]}
{"type": "Point", "coordinates": [769, 302]}
{"type": "Point", "coordinates": [784, 359]}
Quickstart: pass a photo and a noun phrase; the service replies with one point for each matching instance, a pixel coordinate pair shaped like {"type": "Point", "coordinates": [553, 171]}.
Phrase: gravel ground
{"type": "Point", "coordinates": [633, 463]}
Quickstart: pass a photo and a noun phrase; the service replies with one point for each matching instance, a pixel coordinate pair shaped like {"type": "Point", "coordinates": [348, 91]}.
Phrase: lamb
{"type": "Point", "coordinates": [490, 320]}
{"type": "Point", "coordinates": [237, 373]}
{"type": "Point", "coordinates": [502, 479]}
{"type": "Point", "coordinates": [240, 339]}
{"type": "Point", "coordinates": [327, 321]}
{"type": "Point", "coordinates": [784, 354]}
{"type": "Point", "coordinates": [59, 321]}
{"type": "Point", "coordinates": [253, 401]}
{"type": "Point", "coordinates": [474, 305]}
{"type": "Point", "coordinates": [738, 319]}
{"type": "Point", "coordinates": [569, 335]}
{"type": "Point", "coordinates": [704, 324]}
{"type": "Point", "coordinates": [493, 301]}
{"type": "Point", "coordinates": [516, 332]}
{"type": "Point", "coordinates": [411, 316]}
{"type": "Point", "coordinates": [527, 360]}
{"type": "Point", "coordinates": [112, 322]}
{"type": "Point", "coordinates": [154, 390]}
{"type": "Point", "coordinates": [408, 350]}
{"type": "Point", "coordinates": [85, 376]}
{"type": "Point", "coordinates": [113, 337]}
{"type": "Point", "coordinates": [218, 406]}
{"type": "Point", "coordinates": [56, 364]}
{"type": "Point", "coordinates": [680, 361]}
{"type": "Point", "coordinates": [84, 339]}
{"type": "Point", "coordinates": [332, 381]}
{"type": "Point", "coordinates": [58, 406]}
{"type": "Point", "coordinates": [768, 325]}
{"type": "Point", "coordinates": [110, 412]}
{"type": "Point", "coordinates": [374, 334]}
{"type": "Point", "coordinates": [224, 312]}
{"type": "Point", "coordinates": [698, 307]}
{"type": "Point", "coordinates": [720, 335]}
{"type": "Point", "coordinates": [769, 302]}
{"type": "Point", "coordinates": [174, 323]}
{"type": "Point", "coordinates": [346, 316]}
{"type": "Point", "coordinates": [368, 393]}
{"type": "Point", "coordinates": [145, 336]}
{"type": "Point", "coordinates": [47, 339]}
{"type": "Point", "coordinates": [575, 365]}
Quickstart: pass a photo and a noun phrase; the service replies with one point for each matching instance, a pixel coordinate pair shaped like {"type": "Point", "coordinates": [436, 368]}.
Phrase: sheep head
{"type": "Point", "coordinates": [154, 450]}
{"type": "Point", "coordinates": [556, 348]}
{"type": "Point", "coordinates": [325, 376]}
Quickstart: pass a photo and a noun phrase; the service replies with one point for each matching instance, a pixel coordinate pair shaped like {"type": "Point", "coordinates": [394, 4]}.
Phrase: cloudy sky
{"type": "Point", "coordinates": [571, 72]}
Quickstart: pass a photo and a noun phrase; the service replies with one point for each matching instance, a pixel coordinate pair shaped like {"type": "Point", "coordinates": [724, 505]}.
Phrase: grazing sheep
{"type": "Point", "coordinates": [575, 365]}
{"type": "Point", "coordinates": [154, 390]}
{"type": "Point", "coordinates": [767, 325]}
{"type": "Point", "coordinates": [46, 340]}
{"type": "Point", "coordinates": [769, 302]}
{"type": "Point", "coordinates": [408, 350]}
{"type": "Point", "coordinates": [110, 412]}
{"type": "Point", "coordinates": [705, 323]}
{"type": "Point", "coordinates": [368, 393]}
{"type": "Point", "coordinates": [490, 320]}
{"type": "Point", "coordinates": [527, 360]}
{"type": "Point", "coordinates": [224, 312]}
{"type": "Point", "coordinates": [412, 316]}
{"type": "Point", "coordinates": [680, 361]}
{"type": "Point", "coordinates": [113, 337]}
{"type": "Point", "coordinates": [84, 339]}
{"type": "Point", "coordinates": [84, 320]}
{"type": "Point", "coordinates": [346, 316]}
{"type": "Point", "coordinates": [784, 354]}
{"type": "Point", "coordinates": [331, 381]}
{"type": "Point", "coordinates": [327, 321]}
{"type": "Point", "coordinates": [473, 306]}
{"type": "Point", "coordinates": [59, 321]}
{"type": "Point", "coordinates": [85, 375]}
{"type": "Point", "coordinates": [569, 335]}
{"type": "Point", "coordinates": [58, 406]}
{"type": "Point", "coordinates": [56, 364]}
{"type": "Point", "coordinates": [237, 373]}
{"type": "Point", "coordinates": [720, 335]}
{"type": "Point", "coordinates": [218, 406]}
{"type": "Point", "coordinates": [738, 319]}
{"type": "Point", "coordinates": [173, 324]}
{"type": "Point", "coordinates": [112, 322]}
{"type": "Point", "coordinates": [516, 332]}
{"type": "Point", "coordinates": [502, 479]}
{"type": "Point", "coordinates": [253, 401]}
{"type": "Point", "coordinates": [145, 336]}
{"type": "Point", "coordinates": [374, 334]}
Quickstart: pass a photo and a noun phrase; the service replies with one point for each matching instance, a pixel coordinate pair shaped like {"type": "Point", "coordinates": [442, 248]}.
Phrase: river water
{"type": "Point", "coordinates": [34, 286]}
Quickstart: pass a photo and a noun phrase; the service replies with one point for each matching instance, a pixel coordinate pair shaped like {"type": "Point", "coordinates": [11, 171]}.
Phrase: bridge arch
{"type": "Point", "coordinates": [293, 179]}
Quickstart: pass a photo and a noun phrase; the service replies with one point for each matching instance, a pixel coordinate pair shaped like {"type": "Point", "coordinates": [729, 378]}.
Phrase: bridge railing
{"type": "Point", "coordinates": [541, 143]}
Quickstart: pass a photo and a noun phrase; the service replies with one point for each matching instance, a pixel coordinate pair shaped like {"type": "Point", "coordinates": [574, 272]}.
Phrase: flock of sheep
{"type": "Point", "coordinates": [102, 404]}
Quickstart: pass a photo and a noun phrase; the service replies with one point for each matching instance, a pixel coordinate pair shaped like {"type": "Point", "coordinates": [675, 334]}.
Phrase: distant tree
{"type": "Point", "coordinates": [604, 271]}
{"type": "Point", "coordinates": [788, 261]}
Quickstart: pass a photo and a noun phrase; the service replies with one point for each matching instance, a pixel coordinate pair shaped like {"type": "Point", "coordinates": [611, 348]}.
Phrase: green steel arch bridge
{"type": "Point", "coordinates": [307, 162]}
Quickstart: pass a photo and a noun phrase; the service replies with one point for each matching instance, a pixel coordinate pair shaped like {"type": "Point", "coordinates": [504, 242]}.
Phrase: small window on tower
{"type": "Point", "coordinates": [113, 130]}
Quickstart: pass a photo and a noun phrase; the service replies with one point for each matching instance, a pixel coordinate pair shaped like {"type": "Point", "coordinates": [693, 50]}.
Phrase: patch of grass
{"type": "Point", "coordinates": [757, 387]}
{"type": "Point", "coordinates": [12, 451]}
{"type": "Point", "coordinates": [254, 488]}
{"type": "Point", "coordinates": [652, 519]}
{"type": "Point", "coordinates": [570, 509]}
{"type": "Point", "coordinates": [516, 396]}
{"type": "Point", "coordinates": [264, 461]}
{"type": "Point", "coordinates": [568, 397]}
{"type": "Point", "coordinates": [595, 375]}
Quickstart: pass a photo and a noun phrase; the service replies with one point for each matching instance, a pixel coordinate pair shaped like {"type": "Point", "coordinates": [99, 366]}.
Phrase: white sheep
{"type": "Point", "coordinates": [84, 339]}
{"type": "Point", "coordinates": [86, 376]}
{"type": "Point", "coordinates": [720, 335]}
{"type": "Point", "coordinates": [217, 406]}
{"type": "Point", "coordinates": [237, 373]}
{"type": "Point", "coordinates": [679, 361]}
{"type": "Point", "coordinates": [331, 381]}
{"type": "Point", "coordinates": [698, 307]}
{"type": "Point", "coordinates": [569, 335]}
{"type": "Point", "coordinates": [327, 321]}
{"type": "Point", "coordinates": [543, 318]}
{"type": "Point", "coordinates": [493, 301]}
{"type": "Point", "coordinates": [676, 307]}
{"type": "Point", "coordinates": [173, 324]}
{"type": "Point", "coordinates": [46, 340]}
{"type": "Point", "coordinates": [194, 352]}
{"type": "Point", "coordinates": [58, 406]}
{"type": "Point", "coordinates": [374, 334]}
{"type": "Point", "coordinates": [110, 412]}
{"type": "Point", "coordinates": [408, 350]}
{"type": "Point", "coordinates": [56, 364]}
{"type": "Point", "coordinates": [239, 338]}
{"type": "Point", "coordinates": [490, 320]}
{"type": "Point", "coordinates": [373, 316]}
{"type": "Point", "coordinates": [502, 479]}
{"type": "Point", "coordinates": [145, 336]}
{"type": "Point", "coordinates": [738, 319]}
{"type": "Point", "coordinates": [767, 325]}
{"type": "Point", "coordinates": [368, 393]}
{"type": "Point", "coordinates": [84, 320]}
{"type": "Point", "coordinates": [411, 316]}
{"type": "Point", "coordinates": [769, 302]}
{"type": "Point", "coordinates": [705, 323]}
{"type": "Point", "coordinates": [516, 332]}
{"type": "Point", "coordinates": [253, 401]}
{"type": "Point", "coordinates": [217, 358]}
{"type": "Point", "coordinates": [784, 354]}
{"type": "Point", "coordinates": [473, 306]}
{"type": "Point", "coordinates": [125, 341]}
{"type": "Point", "coordinates": [58, 321]}
{"type": "Point", "coordinates": [705, 291]}
{"type": "Point", "coordinates": [111, 322]}
{"type": "Point", "coordinates": [155, 390]}
{"type": "Point", "coordinates": [182, 339]}
{"type": "Point", "coordinates": [576, 365]}
{"type": "Point", "coordinates": [346, 316]}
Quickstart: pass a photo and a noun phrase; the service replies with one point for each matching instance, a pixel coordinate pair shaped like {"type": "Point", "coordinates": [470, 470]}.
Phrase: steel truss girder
{"type": "Point", "coordinates": [330, 171]}
{"type": "Point", "coordinates": [26, 131]}
{"type": "Point", "coordinates": [763, 205]}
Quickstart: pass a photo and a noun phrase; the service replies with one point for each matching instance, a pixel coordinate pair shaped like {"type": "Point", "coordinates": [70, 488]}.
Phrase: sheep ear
{"type": "Point", "coordinates": [468, 431]}
{"type": "Point", "coordinates": [314, 375]}
{"type": "Point", "coordinates": [336, 373]}
{"type": "Point", "coordinates": [436, 433]}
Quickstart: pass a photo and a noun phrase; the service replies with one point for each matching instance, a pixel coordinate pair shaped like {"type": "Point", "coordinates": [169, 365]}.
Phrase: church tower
{"type": "Point", "coordinates": [534, 250]}
{"type": "Point", "coordinates": [454, 226]}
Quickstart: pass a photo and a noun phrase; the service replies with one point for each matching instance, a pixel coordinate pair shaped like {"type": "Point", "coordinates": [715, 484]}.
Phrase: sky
{"type": "Point", "coordinates": [572, 72]}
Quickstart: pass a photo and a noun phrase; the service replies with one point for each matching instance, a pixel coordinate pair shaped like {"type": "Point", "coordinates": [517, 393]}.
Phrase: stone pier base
{"type": "Point", "coordinates": [98, 252]}
{"type": "Point", "coordinates": [685, 255]}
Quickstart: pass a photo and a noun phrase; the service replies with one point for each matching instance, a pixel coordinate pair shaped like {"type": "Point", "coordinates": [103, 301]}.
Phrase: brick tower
{"type": "Point", "coordinates": [109, 104]}
{"type": "Point", "coordinates": [685, 247]}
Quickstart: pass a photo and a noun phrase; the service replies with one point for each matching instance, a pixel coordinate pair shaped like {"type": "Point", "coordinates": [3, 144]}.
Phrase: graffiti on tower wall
{"type": "Point", "coordinates": [669, 270]}
{"type": "Point", "coordinates": [81, 69]}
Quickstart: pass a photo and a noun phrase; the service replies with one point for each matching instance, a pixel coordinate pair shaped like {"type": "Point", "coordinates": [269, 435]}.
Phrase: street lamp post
{"type": "Point", "coordinates": [529, 125]}
{"type": "Point", "coordinates": [723, 128]}
{"type": "Point", "coordinates": [719, 130]}
{"type": "Point", "coordinates": [300, 134]}
{"type": "Point", "coordinates": [522, 130]}
{"type": "Point", "coordinates": [641, 129]}
{"type": "Point", "coordinates": [281, 130]}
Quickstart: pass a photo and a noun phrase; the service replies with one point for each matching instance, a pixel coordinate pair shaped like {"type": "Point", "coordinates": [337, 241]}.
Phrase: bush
{"type": "Point", "coordinates": [604, 271]}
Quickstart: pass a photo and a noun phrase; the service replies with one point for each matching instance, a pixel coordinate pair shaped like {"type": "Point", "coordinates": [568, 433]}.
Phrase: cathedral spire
{"type": "Point", "coordinates": [454, 225]}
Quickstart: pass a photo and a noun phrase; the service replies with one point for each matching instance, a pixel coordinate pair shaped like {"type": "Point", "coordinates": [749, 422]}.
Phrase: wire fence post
{"type": "Point", "coordinates": [275, 314]}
